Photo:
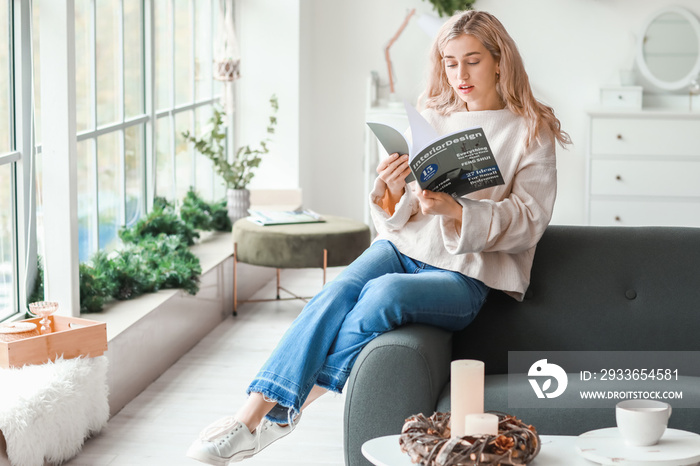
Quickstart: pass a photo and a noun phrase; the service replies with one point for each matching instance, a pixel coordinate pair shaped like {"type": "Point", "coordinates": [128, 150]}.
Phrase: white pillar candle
{"type": "Point", "coordinates": [466, 392]}
{"type": "Point", "coordinates": [480, 424]}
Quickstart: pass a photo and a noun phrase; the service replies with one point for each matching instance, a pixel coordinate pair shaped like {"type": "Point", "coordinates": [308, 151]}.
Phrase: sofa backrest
{"type": "Point", "coordinates": [596, 288]}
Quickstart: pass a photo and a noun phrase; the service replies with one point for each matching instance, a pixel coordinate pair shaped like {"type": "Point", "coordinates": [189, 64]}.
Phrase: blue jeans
{"type": "Point", "coordinates": [381, 290]}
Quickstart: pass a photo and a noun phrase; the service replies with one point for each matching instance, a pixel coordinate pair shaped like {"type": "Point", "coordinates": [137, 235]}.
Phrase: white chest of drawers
{"type": "Point", "coordinates": [643, 168]}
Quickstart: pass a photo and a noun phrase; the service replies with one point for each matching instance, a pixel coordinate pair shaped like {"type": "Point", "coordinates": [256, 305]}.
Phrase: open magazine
{"type": "Point", "coordinates": [458, 163]}
{"type": "Point", "coordinates": [284, 217]}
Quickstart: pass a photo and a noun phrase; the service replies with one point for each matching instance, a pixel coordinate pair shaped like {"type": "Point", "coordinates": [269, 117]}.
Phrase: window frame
{"type": "Point", "coordinates": [151, 115]}
{"type": "Point", "coordinates": [20, 158]}
{"type": "Point", "coordinates": [174, 109]}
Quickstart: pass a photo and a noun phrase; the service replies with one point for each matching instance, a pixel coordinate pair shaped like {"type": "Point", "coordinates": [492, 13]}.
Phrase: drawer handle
{"type": "Point", "coordinates": [617, 218]}
{"type": "Point", "coordinates": [619, 137]}
{"type": "Point", "coordinates": [618, 177]}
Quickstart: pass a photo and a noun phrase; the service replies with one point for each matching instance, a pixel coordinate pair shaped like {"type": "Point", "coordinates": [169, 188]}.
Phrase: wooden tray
{"type": "Point", "coordinates": [70, 337]}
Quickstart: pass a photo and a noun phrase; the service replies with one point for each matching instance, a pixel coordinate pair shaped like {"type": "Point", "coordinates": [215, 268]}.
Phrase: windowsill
{"type": "Point", "coordinates": [212, 249]}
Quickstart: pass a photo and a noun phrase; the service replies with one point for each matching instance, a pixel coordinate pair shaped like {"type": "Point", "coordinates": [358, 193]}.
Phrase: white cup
{"type": "Point", "coordinates": [642, 422]}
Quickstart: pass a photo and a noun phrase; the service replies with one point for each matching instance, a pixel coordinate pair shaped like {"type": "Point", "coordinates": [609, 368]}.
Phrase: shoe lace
{"type": "Point", "coordinates": [218, 428]}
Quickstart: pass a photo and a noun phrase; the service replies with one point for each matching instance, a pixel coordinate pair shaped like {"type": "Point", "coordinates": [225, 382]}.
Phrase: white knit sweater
{"type": "Point", "coordinates": [500, 225]}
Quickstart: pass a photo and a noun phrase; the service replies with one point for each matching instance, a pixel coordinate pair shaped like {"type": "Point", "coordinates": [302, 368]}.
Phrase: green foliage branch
{"type": "Point", "coordinates": [449, 7]}
{"type": "Point", "coordinates": [37, 293]}
{"type": "Point", "coordinates": [155, 255]}
{"type": "Point", "coordinates": [162, 219]}
{"type": "Point", "coordinates": [237, 173]}
{"type": "Point", "coordinates": [203, 215]}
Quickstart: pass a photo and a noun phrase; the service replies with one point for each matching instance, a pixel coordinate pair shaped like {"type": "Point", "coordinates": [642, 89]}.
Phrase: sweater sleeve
{"type": "Point", "coordinates": [516, 223]}
{"type": "Point", "coordinates": [404, 209]}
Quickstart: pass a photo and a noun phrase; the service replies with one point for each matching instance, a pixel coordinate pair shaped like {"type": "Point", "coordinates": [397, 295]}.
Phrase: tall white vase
{"type": "Point", "coordinates": [238, 203]}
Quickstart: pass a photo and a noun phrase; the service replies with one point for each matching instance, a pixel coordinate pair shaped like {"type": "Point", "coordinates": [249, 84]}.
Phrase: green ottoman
{"type": "Point", "coordinates": [336, 242]}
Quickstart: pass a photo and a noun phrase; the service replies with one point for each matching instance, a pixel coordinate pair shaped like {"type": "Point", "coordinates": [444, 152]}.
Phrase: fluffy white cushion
{"type": "Point", "coordinates": [47, 411]}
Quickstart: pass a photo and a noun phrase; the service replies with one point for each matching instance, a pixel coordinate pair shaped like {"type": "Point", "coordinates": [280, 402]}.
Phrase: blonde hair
{"type": "Point", "coordinates": [513, 85]}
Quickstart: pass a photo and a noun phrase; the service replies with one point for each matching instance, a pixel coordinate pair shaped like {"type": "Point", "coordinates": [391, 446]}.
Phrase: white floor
{"type": "Point", "coordinates": [209, 382]}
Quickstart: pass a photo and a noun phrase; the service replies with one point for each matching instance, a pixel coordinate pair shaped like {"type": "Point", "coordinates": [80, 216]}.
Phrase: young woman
{"type": "Point", "coordinates": [435, 257]}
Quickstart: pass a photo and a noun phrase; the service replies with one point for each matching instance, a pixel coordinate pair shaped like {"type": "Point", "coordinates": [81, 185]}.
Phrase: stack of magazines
{"type": "Point", "coordinates": [284, 217]}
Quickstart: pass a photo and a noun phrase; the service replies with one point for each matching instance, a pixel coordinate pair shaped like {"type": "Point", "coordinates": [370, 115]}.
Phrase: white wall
{"type": "Point", "coordinates": [346, 42]}
{"type": "Point", "coordinates": [268, 34]}
{"type": "Point", "coordinates": [570, 48]}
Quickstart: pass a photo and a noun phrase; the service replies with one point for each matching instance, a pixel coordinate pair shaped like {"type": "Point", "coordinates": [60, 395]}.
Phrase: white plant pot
{"type": "Point", "coordinates": [238, 203]}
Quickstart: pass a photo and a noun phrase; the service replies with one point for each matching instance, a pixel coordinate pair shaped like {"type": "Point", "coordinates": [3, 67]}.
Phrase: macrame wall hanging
{"type": "Point", "coordinates": [227, 57]}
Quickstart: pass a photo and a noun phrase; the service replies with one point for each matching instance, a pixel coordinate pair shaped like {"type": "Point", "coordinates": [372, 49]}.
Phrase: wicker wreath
{"type": "Point", "coordinates": [427, 440]}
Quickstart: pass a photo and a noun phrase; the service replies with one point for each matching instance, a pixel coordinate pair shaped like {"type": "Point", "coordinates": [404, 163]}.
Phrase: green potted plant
{"type": "Point", "coordinates": [449, 7]}
{"type": "Point", "coordinates": [237, 173]}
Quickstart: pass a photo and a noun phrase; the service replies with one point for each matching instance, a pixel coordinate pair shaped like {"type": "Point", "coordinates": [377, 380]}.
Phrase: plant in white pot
{"type": "Point", "coordinates": [238, 172]}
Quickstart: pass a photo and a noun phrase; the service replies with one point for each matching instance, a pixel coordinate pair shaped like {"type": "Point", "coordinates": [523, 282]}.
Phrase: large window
{"type": "Point", "coordinates": [8, 252]}
{"type": "Point", "coordinates": [110, 119]}
{"type": "Point", "coordinates": [143, 74]}
{"type": "Point", "coordinates": [113, 110]}
{"type": "Point", "coordinates": [7, 246]}
{"type": "Point", "coordinates": [184, 93]}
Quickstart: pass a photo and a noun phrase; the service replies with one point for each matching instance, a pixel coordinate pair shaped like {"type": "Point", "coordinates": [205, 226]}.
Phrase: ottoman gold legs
{"type": "Point", "coordinates": [279, 287]}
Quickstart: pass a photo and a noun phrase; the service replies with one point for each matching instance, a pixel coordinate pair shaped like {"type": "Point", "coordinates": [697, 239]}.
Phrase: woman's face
{"type": "Point", "coordinates": [471, 71]}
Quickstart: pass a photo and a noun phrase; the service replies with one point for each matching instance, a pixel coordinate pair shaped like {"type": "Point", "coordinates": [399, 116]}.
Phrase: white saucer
{"type": "Point", "coordinates": [17, 327]}
{"type": "Point", "coordinates": [606, 446]}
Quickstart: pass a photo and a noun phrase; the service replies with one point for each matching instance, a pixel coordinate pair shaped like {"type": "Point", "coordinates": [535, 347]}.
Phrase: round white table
{"type": "Point", "coordinates": [557, 450]}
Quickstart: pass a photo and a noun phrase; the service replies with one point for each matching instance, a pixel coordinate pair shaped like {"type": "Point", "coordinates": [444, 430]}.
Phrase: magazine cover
{"type": "Point", "coordinates": [458, 163]}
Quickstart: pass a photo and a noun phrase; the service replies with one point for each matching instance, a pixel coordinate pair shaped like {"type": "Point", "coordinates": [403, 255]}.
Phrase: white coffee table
{"type": "Point", "coordinates": [557, 450]}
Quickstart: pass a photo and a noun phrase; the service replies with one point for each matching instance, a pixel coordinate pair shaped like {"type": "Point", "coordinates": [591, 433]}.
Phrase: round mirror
{"type": "Point", "coordinates": [668, 53]}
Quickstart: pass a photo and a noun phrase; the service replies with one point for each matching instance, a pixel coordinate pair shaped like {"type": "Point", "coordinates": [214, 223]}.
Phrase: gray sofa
{"type": "Point", "coordinates": [592, 288]}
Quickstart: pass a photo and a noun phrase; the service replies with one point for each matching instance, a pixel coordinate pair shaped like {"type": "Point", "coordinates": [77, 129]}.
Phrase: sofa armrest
{"type": "Point", "coordinates": [398, 374]}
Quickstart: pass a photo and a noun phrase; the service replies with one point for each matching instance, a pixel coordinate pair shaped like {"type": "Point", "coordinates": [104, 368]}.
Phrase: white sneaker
{"type": "Point", "coordinates": [223, 442]}
{"type": "Point", "coordinates": [268, 431]}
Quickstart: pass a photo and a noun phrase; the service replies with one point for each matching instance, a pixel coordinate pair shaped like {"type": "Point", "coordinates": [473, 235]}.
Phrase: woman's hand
{"type": "Point", "coordinates": [393, 170]}
{"type": "Point", "coordinates": [432, 203]}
